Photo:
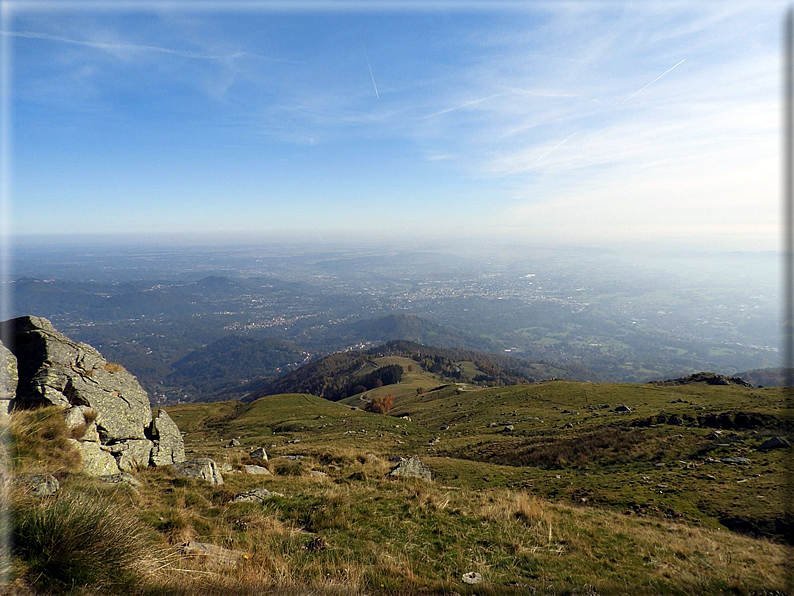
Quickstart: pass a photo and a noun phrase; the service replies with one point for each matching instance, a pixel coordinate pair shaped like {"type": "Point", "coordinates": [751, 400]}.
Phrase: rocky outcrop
{"type": "Point", "coordinates": [101, 399]}
{"type": "Point", "coordinates": [201, 468]}
{"type": "Point", "coordinates": [709, 378]}
{"type": "Point", "coordinates": [8, 380]}
{"type": "Point", "coordinates": [411, 468]}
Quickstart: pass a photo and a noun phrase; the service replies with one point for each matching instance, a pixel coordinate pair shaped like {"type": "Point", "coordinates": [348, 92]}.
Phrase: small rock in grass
{"type": "Point", "coordinates": [775, 443]}
{"type": "Point", "coordinates": [211, 555]}
{"type": "Point", "coordinates": [472, 577]}
{"type": "Point", "coordinates": [258, 495]}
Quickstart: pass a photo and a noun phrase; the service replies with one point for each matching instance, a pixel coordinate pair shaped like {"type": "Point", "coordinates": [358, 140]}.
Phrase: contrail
{"type": "Point", "coordinates": [557, 146]}
{"type": "Point", "coordinates": [461, 106]}
{"type": "Point", "coordinates": [653, 81]}
{"type": "Point", "coordinates": [371, 75]}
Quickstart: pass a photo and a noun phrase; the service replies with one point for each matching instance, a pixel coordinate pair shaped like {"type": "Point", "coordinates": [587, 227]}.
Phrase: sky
{"type": "Point", "coordinates": [583, 123]}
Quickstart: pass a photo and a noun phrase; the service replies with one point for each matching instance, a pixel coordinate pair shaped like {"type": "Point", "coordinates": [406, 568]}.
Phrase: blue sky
{"type": "Point", "coordinates": [581, 122]}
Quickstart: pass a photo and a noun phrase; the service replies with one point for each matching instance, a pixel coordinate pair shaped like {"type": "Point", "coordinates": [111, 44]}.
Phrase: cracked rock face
{"type": "Point", "coordinates": [105, 399]}
{"type": "Point", "coordinates": [55, 370]}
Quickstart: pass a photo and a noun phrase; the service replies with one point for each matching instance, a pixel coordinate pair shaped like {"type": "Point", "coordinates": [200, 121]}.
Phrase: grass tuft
{"type": "Point", "coordinates": [77, 540]}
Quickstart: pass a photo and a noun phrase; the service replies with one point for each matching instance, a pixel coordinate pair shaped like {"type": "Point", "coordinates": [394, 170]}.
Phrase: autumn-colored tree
{"type": "Point", "coordinates": [381, 405]}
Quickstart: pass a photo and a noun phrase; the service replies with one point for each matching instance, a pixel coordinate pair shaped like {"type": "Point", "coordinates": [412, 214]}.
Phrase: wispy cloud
{"type": "Point", "coordinates": [101, 45]}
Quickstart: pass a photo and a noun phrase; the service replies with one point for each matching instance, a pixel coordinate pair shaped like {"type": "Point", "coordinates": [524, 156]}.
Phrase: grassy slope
{"type": "Point", "coordinates": [525, 528]}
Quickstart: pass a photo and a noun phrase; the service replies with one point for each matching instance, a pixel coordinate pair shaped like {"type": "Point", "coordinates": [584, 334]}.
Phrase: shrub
{"type": "Point", "coordinates": [381, 405]}
{"type": "Point", "coordinates": [79, 541]}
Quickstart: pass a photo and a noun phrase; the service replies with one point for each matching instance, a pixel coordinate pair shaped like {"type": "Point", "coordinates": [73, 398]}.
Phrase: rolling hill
{"type": "Point", "coordinates": [337, 376]}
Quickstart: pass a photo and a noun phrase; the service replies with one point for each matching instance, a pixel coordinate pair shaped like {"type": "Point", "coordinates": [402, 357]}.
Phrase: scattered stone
{"type": "Point", "coordinates": [211, 555]}
{"type": "Point", "coordinates": [472, 577]}
{"type": "Point", "coordinates": [318, 474]}
{"type": "Point", "coordinates": [445, 427]}
{"type": "Point", "coordinates": [493, 424]}
{"type": "Point", "coordinates": [169, 448]}
{"type": "Point", "coordinates": [258, 453]}
{"type": "Point", "coordinates": [775, 443]}
{"type": "Point", "coordinates": [508, 428]}
{"type": "Point", "coordinates": [257, 470]}
{"type": "Point", "coordinates": [258, 495]}
{"type": "Point", "coordinates": [40, 485]}
{"type": "Point", "coordinates": [226, 468]}
{"type": "Point", "coordinates": [234, 443]}
{"type": "Point", "coordinates": [622, 409]}
{"type": "Point", "coordinates": [121, 478]}
{"type": "Point", "coordinates": [411, 468]}
{"type": "Point", "coordinates": [434, 440]}
{"type": "Point", "coordinates": [201, 468]}
{"type": "Point", "coordinates": [293, 457]}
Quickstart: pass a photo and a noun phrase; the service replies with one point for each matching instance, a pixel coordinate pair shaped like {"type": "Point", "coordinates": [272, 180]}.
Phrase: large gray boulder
{"type": "Point", "coordinates": [201, 468]}
{"type": "Point", "coordinates": [102, 398]}
{"type": "Point", "coordinates": [8, 380]}
{"type": "Point", "coordinates": [54, 370]}
{"type": "Point", "coordinates": [169, 448]}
